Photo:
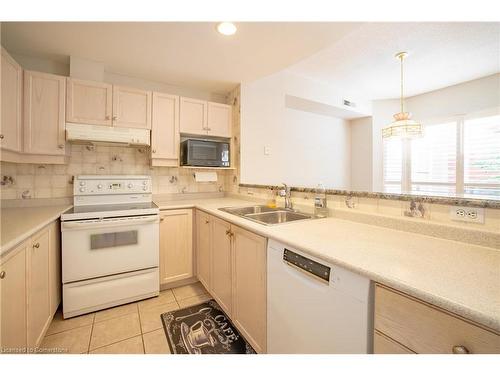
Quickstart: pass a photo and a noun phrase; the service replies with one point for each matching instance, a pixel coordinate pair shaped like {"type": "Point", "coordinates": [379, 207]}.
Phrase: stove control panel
{"type": "Point", "coordinates": [111, 185]}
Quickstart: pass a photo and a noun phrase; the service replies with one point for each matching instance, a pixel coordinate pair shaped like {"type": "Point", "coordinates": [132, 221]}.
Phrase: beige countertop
{"type": "Point", "coordinates": [459, 277]}
{"type": "Point", "coordinates": [17, 224]}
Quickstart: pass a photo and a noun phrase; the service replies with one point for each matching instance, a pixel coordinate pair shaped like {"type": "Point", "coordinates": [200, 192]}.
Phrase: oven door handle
{"type": "Point", "coordinates": [104, 223]}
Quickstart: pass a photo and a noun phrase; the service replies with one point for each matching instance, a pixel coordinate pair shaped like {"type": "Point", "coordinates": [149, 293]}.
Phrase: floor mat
{"type": "Point", "coordinates": [203, 329]}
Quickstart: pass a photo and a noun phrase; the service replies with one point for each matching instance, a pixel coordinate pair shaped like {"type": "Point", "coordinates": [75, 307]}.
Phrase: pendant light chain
{"type": "Point", "coordinates": [402, 99]}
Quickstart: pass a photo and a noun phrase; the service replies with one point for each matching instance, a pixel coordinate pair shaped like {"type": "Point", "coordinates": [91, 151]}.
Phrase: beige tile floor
{"type": "Point", "coordinates": [134, 328]}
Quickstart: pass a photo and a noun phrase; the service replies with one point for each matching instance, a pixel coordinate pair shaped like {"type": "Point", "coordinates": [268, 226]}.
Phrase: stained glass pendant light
{"type": "Point", "coordinates": [402, 126]}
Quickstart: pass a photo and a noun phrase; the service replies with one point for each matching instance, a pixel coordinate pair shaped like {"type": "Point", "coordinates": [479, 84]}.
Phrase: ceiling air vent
{"type": "Point", "coordinates": [349, 103]}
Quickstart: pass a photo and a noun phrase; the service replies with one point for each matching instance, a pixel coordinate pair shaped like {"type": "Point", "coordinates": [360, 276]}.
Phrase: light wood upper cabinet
{"type": "Point", "coordinates": [39, 315]}
{"type": "Point", "coordinates": [13, 304]}
{"type": "Point", "coordinates": [193, 116]}
{"type": "Point", "coordinates": [221, 276]}
{"type": "Point", "coordinates": [165, 127]}
{"type": "Point", "coordinates": [89, 102]}
{"type": "Point", "coordinates": [203, 247]}
{"type": "Point", "coordinates": [219, 120]}
{"type": "Point", "coordinates": [44, 102]}
{"type": "Point", "coordinates": [176, 248]}
{"type": "Point", "coordinates": [131, 107]}
{"type": "Point", "coordinates": [12, 89]}
{"type": "Point", "coordinates": [249, 286]}
{"type": "Point", "coordinates": [199, 117]}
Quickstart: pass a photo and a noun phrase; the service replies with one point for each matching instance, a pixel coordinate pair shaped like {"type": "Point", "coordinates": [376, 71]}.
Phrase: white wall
{"type": "Point", "coordinates": [304, 148]}
{"type": "Point", "coordinates": [465, 98]}
{"type": "Point", "coordinates": [361, 154]}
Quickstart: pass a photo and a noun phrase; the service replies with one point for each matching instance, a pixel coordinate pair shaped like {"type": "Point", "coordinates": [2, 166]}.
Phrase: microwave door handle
{"type": "Point", "coordinates": [105, 223]}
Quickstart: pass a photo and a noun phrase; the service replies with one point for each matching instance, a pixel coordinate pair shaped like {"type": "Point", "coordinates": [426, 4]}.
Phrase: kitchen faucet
{"type": "Point", "coordinates": [286, 192]}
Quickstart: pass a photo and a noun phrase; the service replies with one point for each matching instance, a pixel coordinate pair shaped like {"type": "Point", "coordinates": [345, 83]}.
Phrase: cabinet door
{"type": "Point", "coordinates": [89, 102]}
{"type": "Point", "coordinates": [165, 128]}
{"type": "Point", "coordinates": [219, 120]}
{"type": "Point", "coordinates": [13, 304]}
{"type": "Point", "coordinates": [203, 247]}
{"type": "Point", "coordinates": [176, 249]}
{"type": "Point", "coordinates": [44, 98]}
{"type": "Point", "coordinates": [38, 288]}
{"type": "Point", "coordinates": [249, 286]}
{"type": "Point", "coordinates": [220, 273]}
{"type": "Point", "coordinates": [131, 108]}
{"type": "Point", "coordinates": [12, 86]}
{"type": "Point", "coordinates": [193, 116]}
{"type": "Point", "coordinates": [54, 266]}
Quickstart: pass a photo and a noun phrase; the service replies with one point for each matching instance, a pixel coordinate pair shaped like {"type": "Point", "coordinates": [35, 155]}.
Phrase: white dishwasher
{"type": "Point", "coordinates": [315, 307]}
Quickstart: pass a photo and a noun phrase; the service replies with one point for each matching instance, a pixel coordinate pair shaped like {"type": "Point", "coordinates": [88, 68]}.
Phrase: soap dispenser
{"type": "Point", "coordinates": [320, 209]}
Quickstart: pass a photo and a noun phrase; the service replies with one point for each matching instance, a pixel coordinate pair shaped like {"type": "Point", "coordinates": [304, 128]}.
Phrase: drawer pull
{"type": "Point", "coordinates": [37, 245]}
{"type": "Point", "coordinates": [207, 222]}
{"type": "Point", "coordinates": [459, 349]}
{"type": "Point", "coordinates": [2, 275]}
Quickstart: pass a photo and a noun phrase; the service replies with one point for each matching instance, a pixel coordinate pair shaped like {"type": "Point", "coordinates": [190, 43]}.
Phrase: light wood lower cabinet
{"type": "Point", "coordinates": [220, 262]}
{"type": "Point", "coordinates": [203, 248]}
{"type": "Point", "coordinates": [249, 286]}
{"type": "Point", "coordinates": [13, 300]}
{"type": "Point", "coordinates": [176, 245]}
{"type": "Point", "coordinates": [231, 263]}
{"type": "Point", "coordinates": [385, 345]}
{"type": "Point", "coordinates": [30, 280]}
{"type": "Point", "coordinates": [423, 328]}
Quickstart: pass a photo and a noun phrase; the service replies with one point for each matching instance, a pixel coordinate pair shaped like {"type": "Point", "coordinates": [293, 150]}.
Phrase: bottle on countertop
{"type": "Point", "coordinates": [271, 200]}
{"type": "Point", "coordinates": [320, 208]}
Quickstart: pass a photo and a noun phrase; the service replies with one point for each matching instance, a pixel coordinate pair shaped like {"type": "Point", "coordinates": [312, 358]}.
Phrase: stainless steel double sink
{"type": "Point", "coordinates": [267, 215]}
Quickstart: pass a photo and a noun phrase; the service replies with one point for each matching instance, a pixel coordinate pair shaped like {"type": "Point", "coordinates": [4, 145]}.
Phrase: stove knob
{"type": "Point", "coordinates": [144, 182]}
{"type": "Point", "coordinates": [82, 189]}
{"type": "Point", "coordinates": [130, 186]}
{"type": "Point", "coordinates": [145, 188]}
{"type": "Point", "coordinates": [99, 186]}
{"type": "Point", "coordinates": [82, 183]}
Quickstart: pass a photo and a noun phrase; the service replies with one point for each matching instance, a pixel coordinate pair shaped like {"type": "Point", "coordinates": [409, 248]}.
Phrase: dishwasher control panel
{"type": "Point", "coordinates": [307, 265]}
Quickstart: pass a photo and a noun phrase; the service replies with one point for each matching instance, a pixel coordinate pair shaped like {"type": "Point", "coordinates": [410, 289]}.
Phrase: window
{"type": "Point", "coordinates": [459, 156]}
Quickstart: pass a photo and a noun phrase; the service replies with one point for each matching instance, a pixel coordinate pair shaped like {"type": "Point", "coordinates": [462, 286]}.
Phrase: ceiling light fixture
{"type": "Point", "coordinates": [402, 126]}
{"type": "Point", "coordinates": [226, 28]}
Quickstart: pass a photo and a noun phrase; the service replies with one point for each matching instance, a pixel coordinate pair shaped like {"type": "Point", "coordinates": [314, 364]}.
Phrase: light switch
{"type": "Point", "coordinates": [267, 150]}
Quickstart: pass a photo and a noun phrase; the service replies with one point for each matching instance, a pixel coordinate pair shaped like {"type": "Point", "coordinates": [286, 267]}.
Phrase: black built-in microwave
{"type": "Point", "coordinates": [204, 153]}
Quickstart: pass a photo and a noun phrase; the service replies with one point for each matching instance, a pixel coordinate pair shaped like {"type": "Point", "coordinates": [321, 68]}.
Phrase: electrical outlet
{"type": "Point", "coordinates": [467, 214]}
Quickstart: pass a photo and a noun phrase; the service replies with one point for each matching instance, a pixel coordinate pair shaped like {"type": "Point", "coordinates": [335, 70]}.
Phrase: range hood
{"type": "Point", "coordinates": [83, 133]}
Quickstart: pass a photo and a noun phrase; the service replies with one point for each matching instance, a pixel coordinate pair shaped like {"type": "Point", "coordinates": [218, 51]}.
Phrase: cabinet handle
{"type": "Point", "coordinates": [107, 117]}
{"type": "Point", "coordinates": [228, 232]}
{"type": "Point", "coordinates": [2, 275]}
{"type": "Point", "coordinates": [207, 221]}
{"type": "Point", "coordinates": [459, 349]}
{"type": "Point", "coordinates": [208, 129]}
{"type": "Point", "coordinates": [61, 146]}
{"type": "Point", "coordinates": [154, 151]}
{"type": "Point", "coordinates": [115, 117]}
{"type": "Point", "coordinates": [1, 136]}
{"type": "Point", "coordinates": [37, 245]}
{"type": "Point", "coordinates": [162, 218]}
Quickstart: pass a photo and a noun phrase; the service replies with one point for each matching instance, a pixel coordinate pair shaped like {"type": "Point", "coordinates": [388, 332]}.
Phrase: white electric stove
{"type": "Point", "coordinates": [110, 244]}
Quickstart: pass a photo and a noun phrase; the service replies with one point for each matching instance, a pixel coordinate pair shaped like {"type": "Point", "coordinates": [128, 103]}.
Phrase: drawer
{"type": "Point", "coordinates": [97, 294]}
{"type": "Point", "coordinates": [426, 329]}
{"type": "Point", "coordinates": [385, 345]}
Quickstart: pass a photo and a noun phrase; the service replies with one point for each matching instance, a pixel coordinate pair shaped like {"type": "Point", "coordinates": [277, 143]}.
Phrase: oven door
{"type": "Point", "coordinates": [95, 248]}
